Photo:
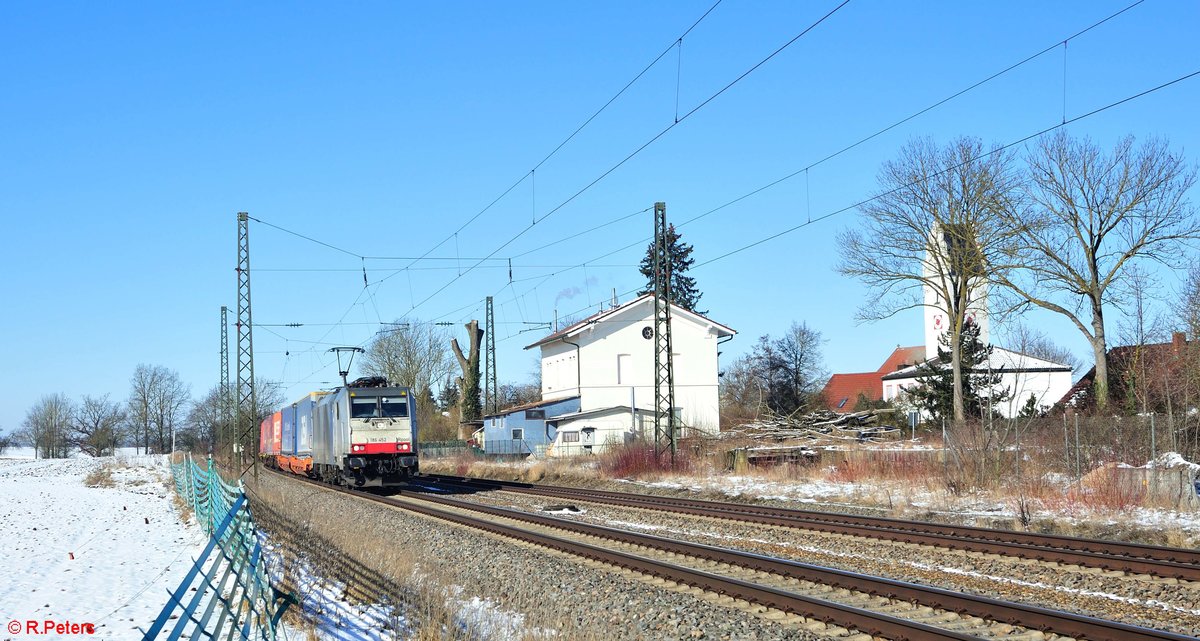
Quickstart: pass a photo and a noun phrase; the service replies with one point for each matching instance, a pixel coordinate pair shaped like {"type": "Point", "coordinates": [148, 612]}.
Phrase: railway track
{"type": "Point", "coordinates": [1133, 558]}
{"type": "Point", "coordinates": [871, 605]}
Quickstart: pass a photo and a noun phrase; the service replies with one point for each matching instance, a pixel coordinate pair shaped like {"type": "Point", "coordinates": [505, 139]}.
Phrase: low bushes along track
{"type": "Point", "coordinates": [999, 615]}
{"type": "Point", "coordinates": [1134, 558]}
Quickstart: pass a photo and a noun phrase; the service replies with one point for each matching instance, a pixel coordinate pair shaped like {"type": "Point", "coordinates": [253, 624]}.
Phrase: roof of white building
{"type": "Point", "coordinates": [676, 312]}
{"type": "Point", "coordinates": [1002, 361]}
{"type": "Point", "coordinates": [615, 409]}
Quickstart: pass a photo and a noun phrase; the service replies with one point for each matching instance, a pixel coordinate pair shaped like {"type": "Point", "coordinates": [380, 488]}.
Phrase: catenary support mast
{"type": "Point", "coordinates": [247, 405]}
{"type": "Point", "coordinates": [225, 436]}
{"type": "Point", "coordinates": [664, 364]}
{"type": "Point", "coordinates": [491, 395]}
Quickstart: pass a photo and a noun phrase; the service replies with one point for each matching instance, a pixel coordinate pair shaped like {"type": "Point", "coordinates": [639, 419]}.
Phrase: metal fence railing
{"type": "Point", "coordinates": [434, 449]}
{"type": "Point", "coordinates": [227, 593]}
{"type": "Point", "coordinates": [513, 447]}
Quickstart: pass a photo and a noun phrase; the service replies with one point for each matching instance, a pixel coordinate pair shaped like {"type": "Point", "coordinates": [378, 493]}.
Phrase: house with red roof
{"type": "Point", "coordinates": [843, 391]}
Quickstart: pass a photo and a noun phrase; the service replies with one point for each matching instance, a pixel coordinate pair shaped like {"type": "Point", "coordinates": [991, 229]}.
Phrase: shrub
{"type": "Point", "coordinates": [639, 460]}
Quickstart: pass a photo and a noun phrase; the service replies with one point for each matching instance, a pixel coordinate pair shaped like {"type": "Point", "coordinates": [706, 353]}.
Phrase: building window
{"type": "Point", "coordinates": [624, 370]}
{"type": "Point", "coordinates": [535, 415]}
{"type": "Point", "coordinates": [570, 437]}
{"type": "Point", "coordinates": [518, 434]}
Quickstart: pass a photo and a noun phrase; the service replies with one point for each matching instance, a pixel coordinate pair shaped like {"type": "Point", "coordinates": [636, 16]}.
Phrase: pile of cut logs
{"type": "Point", "coordinates": [816, 425]}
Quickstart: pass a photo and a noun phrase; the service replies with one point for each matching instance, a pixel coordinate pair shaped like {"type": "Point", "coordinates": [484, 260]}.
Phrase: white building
{"type": "Point", "coordinates": [1020, 374]}
{"type": "Point", "coordinates": [938, 312]}
{"type": "Point", "coordinates": [607, 360]}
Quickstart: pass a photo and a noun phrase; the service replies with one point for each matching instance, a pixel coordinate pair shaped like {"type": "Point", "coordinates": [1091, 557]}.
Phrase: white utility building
{"type": "Point", "coordinates": [607, 360]}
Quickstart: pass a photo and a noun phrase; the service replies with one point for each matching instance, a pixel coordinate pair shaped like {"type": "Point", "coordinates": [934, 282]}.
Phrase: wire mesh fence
{"type": "Point", "coordinates": [227, 593]}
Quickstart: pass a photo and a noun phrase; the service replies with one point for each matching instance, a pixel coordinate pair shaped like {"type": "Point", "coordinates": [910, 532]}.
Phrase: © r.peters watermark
{"type": "Point", "coordinates": [50, 627]}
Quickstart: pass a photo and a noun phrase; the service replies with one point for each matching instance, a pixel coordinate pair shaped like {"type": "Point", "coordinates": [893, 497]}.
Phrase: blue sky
{"type": "Point", "coordinates": [133, 133]}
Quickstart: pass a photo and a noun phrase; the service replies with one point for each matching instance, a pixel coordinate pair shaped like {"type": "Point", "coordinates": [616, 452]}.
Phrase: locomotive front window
{"type": "Point", "coordinates": [364, 408]}
{"type": "Point", "coordinates": [394, 407]}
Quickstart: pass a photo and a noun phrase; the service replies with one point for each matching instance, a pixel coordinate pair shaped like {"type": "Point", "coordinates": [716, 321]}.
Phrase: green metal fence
{"type": "Point", "coordinates": [227, 593]}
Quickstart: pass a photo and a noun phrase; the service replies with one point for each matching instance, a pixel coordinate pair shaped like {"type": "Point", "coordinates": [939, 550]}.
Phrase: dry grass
{"type": "Point", "coordinates": [542, 471]}
{"type": "Point", "coordinates": [100, 477]}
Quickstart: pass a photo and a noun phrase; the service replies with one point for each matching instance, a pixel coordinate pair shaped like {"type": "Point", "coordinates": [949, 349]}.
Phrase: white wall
{"type": "Point", "coordinates": [1047, 387]}
{"type": "Point", "coordinates": [937, 310]}
{"type": "Point", "coordinates": [559, 371]}
{"type": "Point", "coordinates": [610, 429]}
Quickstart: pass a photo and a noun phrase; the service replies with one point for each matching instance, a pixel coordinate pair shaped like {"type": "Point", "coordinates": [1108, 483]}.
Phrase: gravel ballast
{"type": "Point", "coordinates": [552, 593]}
{"type": "Point", "coordinates": [1137, 600]}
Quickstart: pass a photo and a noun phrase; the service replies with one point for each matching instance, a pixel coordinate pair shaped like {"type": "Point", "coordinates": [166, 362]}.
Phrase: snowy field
{"type": "Point", "coordinates": [99, 555]}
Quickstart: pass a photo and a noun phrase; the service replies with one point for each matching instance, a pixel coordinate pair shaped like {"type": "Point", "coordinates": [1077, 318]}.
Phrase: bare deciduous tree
{"type": "Point", "coordinates": [139, 414]}
{"type": "Point", "coordinates": [1026, 340]}
{"type": "Point", "coordinates": [936, 223]}
{"type": "Point", "coordinates": [157, 397]}
{"type": "Point", "coordinates": [783, 375]}
{"type": "Point", "coordinates": [1094, 216]}
{"type": "Point", "coordinates": [96, 425]}
{"type": "Point", "coordinates": [210, 420]}
{"type": "Point", "coordinates": [413, 356]}
{"type": "Point", "coordinates": [47, 426]}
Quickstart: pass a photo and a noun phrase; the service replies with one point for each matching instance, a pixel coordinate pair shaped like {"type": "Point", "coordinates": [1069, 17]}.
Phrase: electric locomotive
{"type": "Point", "coordinates": [363, 435]}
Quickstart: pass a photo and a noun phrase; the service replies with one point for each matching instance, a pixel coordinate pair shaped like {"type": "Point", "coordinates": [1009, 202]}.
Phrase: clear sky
{"type": "Point", "coordinates": [132, 133]}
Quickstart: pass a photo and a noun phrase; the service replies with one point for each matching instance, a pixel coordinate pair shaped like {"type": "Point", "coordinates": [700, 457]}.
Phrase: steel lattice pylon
{"type": "Point", "coordinates": [225, 437]}
{"type": "Point", "coordinates": [664, 361]}
{"type": "Point", "coordinates": [491, 392]}
{"type": "Point", "coordinates": [247, 407]}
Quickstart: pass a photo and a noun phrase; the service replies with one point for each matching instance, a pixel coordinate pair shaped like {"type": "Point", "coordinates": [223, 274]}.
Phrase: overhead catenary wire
{"type": "Point", "coordinates": [825, 159]}
{"type": "Point", "coordinates": [641, 148]}
{"type": "Point", "coordinates": [531, 174]}
{"type": "Point", "coordinates": [515, 184]}
{"type": "Point", "coordinates": [805, 170]}
{"type": "Point", "coordinates": [995, 150]}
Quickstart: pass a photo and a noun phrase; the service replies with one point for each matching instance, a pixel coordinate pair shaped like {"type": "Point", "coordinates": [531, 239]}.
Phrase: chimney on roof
{"type": "Point", "coordinates": [1178, 341]}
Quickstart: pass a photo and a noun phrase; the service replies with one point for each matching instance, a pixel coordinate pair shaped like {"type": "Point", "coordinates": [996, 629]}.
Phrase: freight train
{"type": "Point", "coordinates": [362, 435]}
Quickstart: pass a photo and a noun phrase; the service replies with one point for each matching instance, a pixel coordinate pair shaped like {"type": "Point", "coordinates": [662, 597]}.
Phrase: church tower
{"type": "Point", "coordinates": [936, 309]}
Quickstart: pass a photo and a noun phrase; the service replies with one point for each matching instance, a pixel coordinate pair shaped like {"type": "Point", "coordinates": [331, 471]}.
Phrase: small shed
{"type": "Point", "coordinates": [524, 429]}
{"type": "Point", "coordinates": [592, 431]}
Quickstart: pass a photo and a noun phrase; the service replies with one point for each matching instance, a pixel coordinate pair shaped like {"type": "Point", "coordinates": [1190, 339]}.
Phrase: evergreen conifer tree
{"type": "Point", "coordinates": [935, 394]}
{"type": "Point", "coordinates": [683, 287]}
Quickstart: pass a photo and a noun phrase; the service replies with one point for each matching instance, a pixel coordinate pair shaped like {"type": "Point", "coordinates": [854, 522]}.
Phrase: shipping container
{"type": "Point", "coordinates": [276, 432]}
{"type": "Point", "coordinates": [264, 436]}
{"type": "Point", "coordinates": [287, 433]}
{"type": "Point", "coordinates": [305, 422]}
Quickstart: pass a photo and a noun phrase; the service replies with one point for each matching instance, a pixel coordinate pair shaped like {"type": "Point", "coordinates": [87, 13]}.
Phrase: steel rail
{"type": "Point", "coordinates": [1134, 558]}
{"type": "Point", "coordinates": [1043, 619]}
{"type": "Point", "coordinates": [874, 623]}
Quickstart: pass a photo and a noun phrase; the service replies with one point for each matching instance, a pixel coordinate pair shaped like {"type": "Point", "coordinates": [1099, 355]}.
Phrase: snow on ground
{"type": "Point", "coordinates": [332, 617]}
{"type": "Point", "coordinates": [918, 498]}
{"type": "Point", "coordinates": [127, 540]}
